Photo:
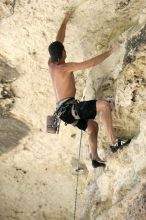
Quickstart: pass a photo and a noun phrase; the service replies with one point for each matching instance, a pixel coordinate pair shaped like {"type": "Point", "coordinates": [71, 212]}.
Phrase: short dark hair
{"type": "Point", "coordinates": [55, 49]}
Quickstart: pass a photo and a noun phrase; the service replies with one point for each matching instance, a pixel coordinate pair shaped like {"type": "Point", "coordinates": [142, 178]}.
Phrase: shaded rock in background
{"type": "Point", "coordinates": [12, 131]}
{"type": "Point", "coordinates": [7, 73]}
{"type": "Point", "coordinates": [134, 45]}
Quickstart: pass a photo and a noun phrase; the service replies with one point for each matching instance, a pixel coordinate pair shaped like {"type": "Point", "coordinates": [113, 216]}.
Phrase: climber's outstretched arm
{"type": "Point", "coordinates": [70, 67]}
{"type": "Point", "coordinates": [61, 33]}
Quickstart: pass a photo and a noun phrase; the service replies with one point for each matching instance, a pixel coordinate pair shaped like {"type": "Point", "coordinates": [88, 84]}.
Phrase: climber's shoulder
{"type": "Point", "coordinates": [55, 67]}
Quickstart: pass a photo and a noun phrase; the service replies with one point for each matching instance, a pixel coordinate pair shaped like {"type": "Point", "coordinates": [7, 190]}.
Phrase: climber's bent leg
{"type": "Point", "coordinates": [104, 108]}
{"type": "Point", "coordinates": [92, 130]}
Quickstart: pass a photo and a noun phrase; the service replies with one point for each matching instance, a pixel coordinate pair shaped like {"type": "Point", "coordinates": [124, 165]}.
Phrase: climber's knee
{"type": "Point", "coordinates": [102, 106]}
{"type": "Point", "coordinates": [92, 127]}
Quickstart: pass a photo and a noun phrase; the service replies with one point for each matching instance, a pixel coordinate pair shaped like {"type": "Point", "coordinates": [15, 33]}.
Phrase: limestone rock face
{"type": "Point", "coordinates": [38, 170]}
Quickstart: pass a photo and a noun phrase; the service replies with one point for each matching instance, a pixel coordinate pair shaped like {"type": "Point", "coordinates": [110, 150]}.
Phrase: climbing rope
{"type": "Point", "coordinates": [77, 180]}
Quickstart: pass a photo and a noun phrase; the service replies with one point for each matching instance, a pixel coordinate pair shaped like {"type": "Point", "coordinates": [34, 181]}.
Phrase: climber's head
{"type": "Point", "coordinates": [57, 51]}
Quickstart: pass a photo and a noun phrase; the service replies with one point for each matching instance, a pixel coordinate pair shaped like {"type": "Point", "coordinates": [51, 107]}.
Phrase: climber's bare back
{"type": "Point", "coordinates": [63, 83]}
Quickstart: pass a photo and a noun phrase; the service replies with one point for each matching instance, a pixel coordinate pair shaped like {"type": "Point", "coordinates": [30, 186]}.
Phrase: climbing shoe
{"type": "Point", "coordinates": [119, 144]}
{"type": "Point", "coordinates": [98, 163]}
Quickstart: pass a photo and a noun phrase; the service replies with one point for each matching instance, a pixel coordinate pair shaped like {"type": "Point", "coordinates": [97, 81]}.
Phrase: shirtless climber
{"type": "Point", "coordinates": [71, 111]}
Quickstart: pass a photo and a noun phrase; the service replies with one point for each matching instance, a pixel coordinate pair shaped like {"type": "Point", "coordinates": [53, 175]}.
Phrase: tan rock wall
{"type": "Point", "coordinates": [38, 170]}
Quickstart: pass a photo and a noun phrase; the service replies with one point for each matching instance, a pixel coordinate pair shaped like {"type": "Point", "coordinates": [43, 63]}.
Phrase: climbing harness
{"type": "Point", "coordinates": [77, 180]}
{"type": "Point", "coordinates": [53, 124]}
{"type": "Point", "coordinates": [53, 121]}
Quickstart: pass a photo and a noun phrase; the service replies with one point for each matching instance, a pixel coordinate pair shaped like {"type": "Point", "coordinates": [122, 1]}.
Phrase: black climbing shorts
{"type": "Point", "coordinates": [85, 109]}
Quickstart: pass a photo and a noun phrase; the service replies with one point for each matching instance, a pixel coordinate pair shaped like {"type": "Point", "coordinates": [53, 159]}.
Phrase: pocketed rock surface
{"type": "Point", "coordinates": [38, 170]}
